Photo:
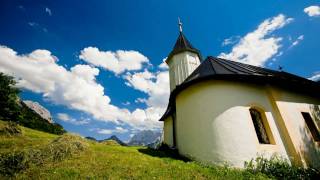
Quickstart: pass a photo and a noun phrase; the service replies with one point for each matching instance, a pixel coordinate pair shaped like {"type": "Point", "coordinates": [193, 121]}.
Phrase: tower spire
{"type": "Point", "coordinates": [180, 25]}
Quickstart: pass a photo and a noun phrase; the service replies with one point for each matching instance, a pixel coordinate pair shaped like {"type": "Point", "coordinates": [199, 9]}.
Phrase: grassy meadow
{"type": "Point", "coordinates": [47, 156]}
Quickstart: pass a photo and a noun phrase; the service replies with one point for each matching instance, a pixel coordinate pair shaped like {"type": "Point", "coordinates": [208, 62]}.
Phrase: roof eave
{"type": "Point", "coordinates": [174, 52]}
{"type": "Point", "coordinates": [262, 80]}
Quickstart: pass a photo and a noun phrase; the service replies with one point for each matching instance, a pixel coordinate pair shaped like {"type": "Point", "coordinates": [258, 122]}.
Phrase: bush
{"type": "Point", "coordinates": [10, 129]}
{"type": "Point", "coordinates": [280, 168]}
{"type": "Point", "coordinates": [13, 162]}
{"type": "Point", "coordinates": [65, 146]}
{"type": "Point", "coordinates": [61, 148]}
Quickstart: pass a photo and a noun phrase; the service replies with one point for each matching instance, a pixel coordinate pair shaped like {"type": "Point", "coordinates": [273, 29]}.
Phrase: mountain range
{"type": "Point", "coordinates": [144, 138]}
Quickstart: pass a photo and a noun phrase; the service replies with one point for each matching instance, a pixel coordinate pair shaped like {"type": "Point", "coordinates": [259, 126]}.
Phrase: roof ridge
{"type": "Point", "coordinates": [225, 66]}
{"type": "Point", "coordinates": [243, 70]}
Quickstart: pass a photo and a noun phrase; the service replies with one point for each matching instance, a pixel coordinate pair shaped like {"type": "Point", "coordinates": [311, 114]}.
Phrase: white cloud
{"type": "Point", "coordinates": [258, 46]}
{"type": "Point", "coordinates": [127, 103]}
{"type": "Point", "coordinates": [37, 26]}
{"type": "Point", "coordinates": [117, 62]}
{"type": "Point", "coordinates": [75, 88]}
{"type": "Point", "coordinates": [163, 65]}
{"type": "Point", "coordinates": [140, 100]}
{"type": "Point", "coordinates": [66, 118]}
{"type": "Point", "coordinates": [121, 130]}
{"type": "Point", "coordinates": [231, 40]}
{"type": "Point", "coordinates": [105, 131]}
{"type": "Point", "coordinates": [312, 11]}
{"type": "Point", "coordinates": [63, 116]}
{"type": "Point", "coordinates": [156, 86]}
{"type": "Point", "coordinates": [297, 41]}
{"type": "Point", "coordinates": [315, 77]}
{"type": "Point", "coordinates": [33, 24]}
{"type": "Point", "coordinates": [48, 11]}
{"type": "Point", "coordinates": [118, 129]}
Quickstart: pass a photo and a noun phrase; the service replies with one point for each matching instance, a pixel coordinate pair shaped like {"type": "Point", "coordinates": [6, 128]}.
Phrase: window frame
{"type": "Point", "coordinates": [312, 128]}
{"type": "Point", "coordinates": [265, 124]}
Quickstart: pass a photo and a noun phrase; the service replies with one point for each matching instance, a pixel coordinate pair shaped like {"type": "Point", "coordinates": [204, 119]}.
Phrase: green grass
{"type": "Point", "coordinates": [30, 139]}
{"type": "Point", "coordinates": [100, 160]}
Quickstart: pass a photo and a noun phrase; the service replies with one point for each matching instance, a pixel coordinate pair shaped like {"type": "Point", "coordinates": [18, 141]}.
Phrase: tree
{"type": "Point", "coordinates": [9, 108]}
{"type": "Point", "coordinates": [12, 109]}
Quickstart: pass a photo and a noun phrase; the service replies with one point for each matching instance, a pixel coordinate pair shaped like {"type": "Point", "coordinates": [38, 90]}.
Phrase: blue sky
{"type": "Point", "coordinates": [97, 62]}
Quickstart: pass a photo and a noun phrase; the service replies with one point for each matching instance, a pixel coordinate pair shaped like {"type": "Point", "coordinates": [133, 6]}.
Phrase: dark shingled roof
{"type": "Point", "coordinates": [182, 44]}
{"type": "Point", "coordinates": [221, 69]}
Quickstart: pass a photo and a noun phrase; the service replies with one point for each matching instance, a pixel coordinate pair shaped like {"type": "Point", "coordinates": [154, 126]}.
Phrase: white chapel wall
{"type": "Point", "coordinates": [168, 131]}
{"type": "Point", "coordinates": [214, 123]}
{"type": "Point", "coordinates": [291, 105]}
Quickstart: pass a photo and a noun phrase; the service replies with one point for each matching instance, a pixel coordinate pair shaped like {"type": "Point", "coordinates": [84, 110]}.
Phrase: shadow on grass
{"type": "Point", "coordinates": [164, 152]}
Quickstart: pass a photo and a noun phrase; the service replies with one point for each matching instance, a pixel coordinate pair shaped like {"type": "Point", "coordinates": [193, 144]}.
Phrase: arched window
{"type": "Point", "coordinates": [259, 126]}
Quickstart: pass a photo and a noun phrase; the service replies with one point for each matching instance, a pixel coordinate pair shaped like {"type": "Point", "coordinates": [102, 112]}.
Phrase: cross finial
{"type": "Point", "coordinates": [180, 24]}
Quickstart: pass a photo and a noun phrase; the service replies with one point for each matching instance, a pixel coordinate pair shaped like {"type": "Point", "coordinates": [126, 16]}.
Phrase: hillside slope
{"type": "Point", "coordinates": [29, 114]}
{"type": "Point", "coordinates": [111, 161]}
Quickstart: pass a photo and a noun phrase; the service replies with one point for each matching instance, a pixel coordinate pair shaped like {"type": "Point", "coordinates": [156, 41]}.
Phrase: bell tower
{"type": "Point", "coordinates": [182, 60]}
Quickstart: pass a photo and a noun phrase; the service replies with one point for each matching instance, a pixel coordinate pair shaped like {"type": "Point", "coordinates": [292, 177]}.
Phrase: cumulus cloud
{"type": "Point", "coordinates": [76, 88]}
{"type": "Point", "coordinates": [312, 11]}
{"type": "Point", "coordinates": [163, 65]}
{"type": "Point", "coordinates": [66, 118]}
{"type": "Point", "coordinates": [117, 62]}
{"type": "Point", "coordinates": [230, 41]}
{"type": "Point", "coordinates": [140, 100]}
{"type": "Point", "coordinates": [156, 86]}
{"type": "Point", "coordinates": [258, 46]}
{"type": "Point", "coordinates": [315, 77]}
{"type": "Point", "coordinates": [63, 117]}
{"type": "Point", "coordinates": [48, 11]}
{"type": "Point", "coordinates": [118, 129]}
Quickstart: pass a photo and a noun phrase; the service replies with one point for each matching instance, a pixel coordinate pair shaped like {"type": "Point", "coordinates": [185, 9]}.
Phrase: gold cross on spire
{"type": "Point", "coordinates": [180, 24]}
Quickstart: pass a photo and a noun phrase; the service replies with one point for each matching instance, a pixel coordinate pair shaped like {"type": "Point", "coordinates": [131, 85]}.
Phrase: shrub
{"type": "Point", "coordinates": [63, 147]}
{"type": "Point", "coordinates": [280, 168]}
{"type": "Point", "coordinates": [10, 129]}
{"type": "Point", "coordinates": [13, 162]}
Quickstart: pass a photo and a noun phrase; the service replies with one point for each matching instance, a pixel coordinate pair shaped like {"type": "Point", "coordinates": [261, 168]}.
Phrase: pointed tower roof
{"type": "Point", "coordinates": [182, 44]}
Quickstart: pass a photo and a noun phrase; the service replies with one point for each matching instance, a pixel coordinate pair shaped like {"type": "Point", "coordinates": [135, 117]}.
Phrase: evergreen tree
{"type": "Point", "coordinates": [9, 108]}
{"type": "Point", "coordinates": [12, 109]}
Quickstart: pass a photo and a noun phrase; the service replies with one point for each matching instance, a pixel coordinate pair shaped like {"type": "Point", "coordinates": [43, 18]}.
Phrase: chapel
{"type": "Point", "coordinates": [222, 111]}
